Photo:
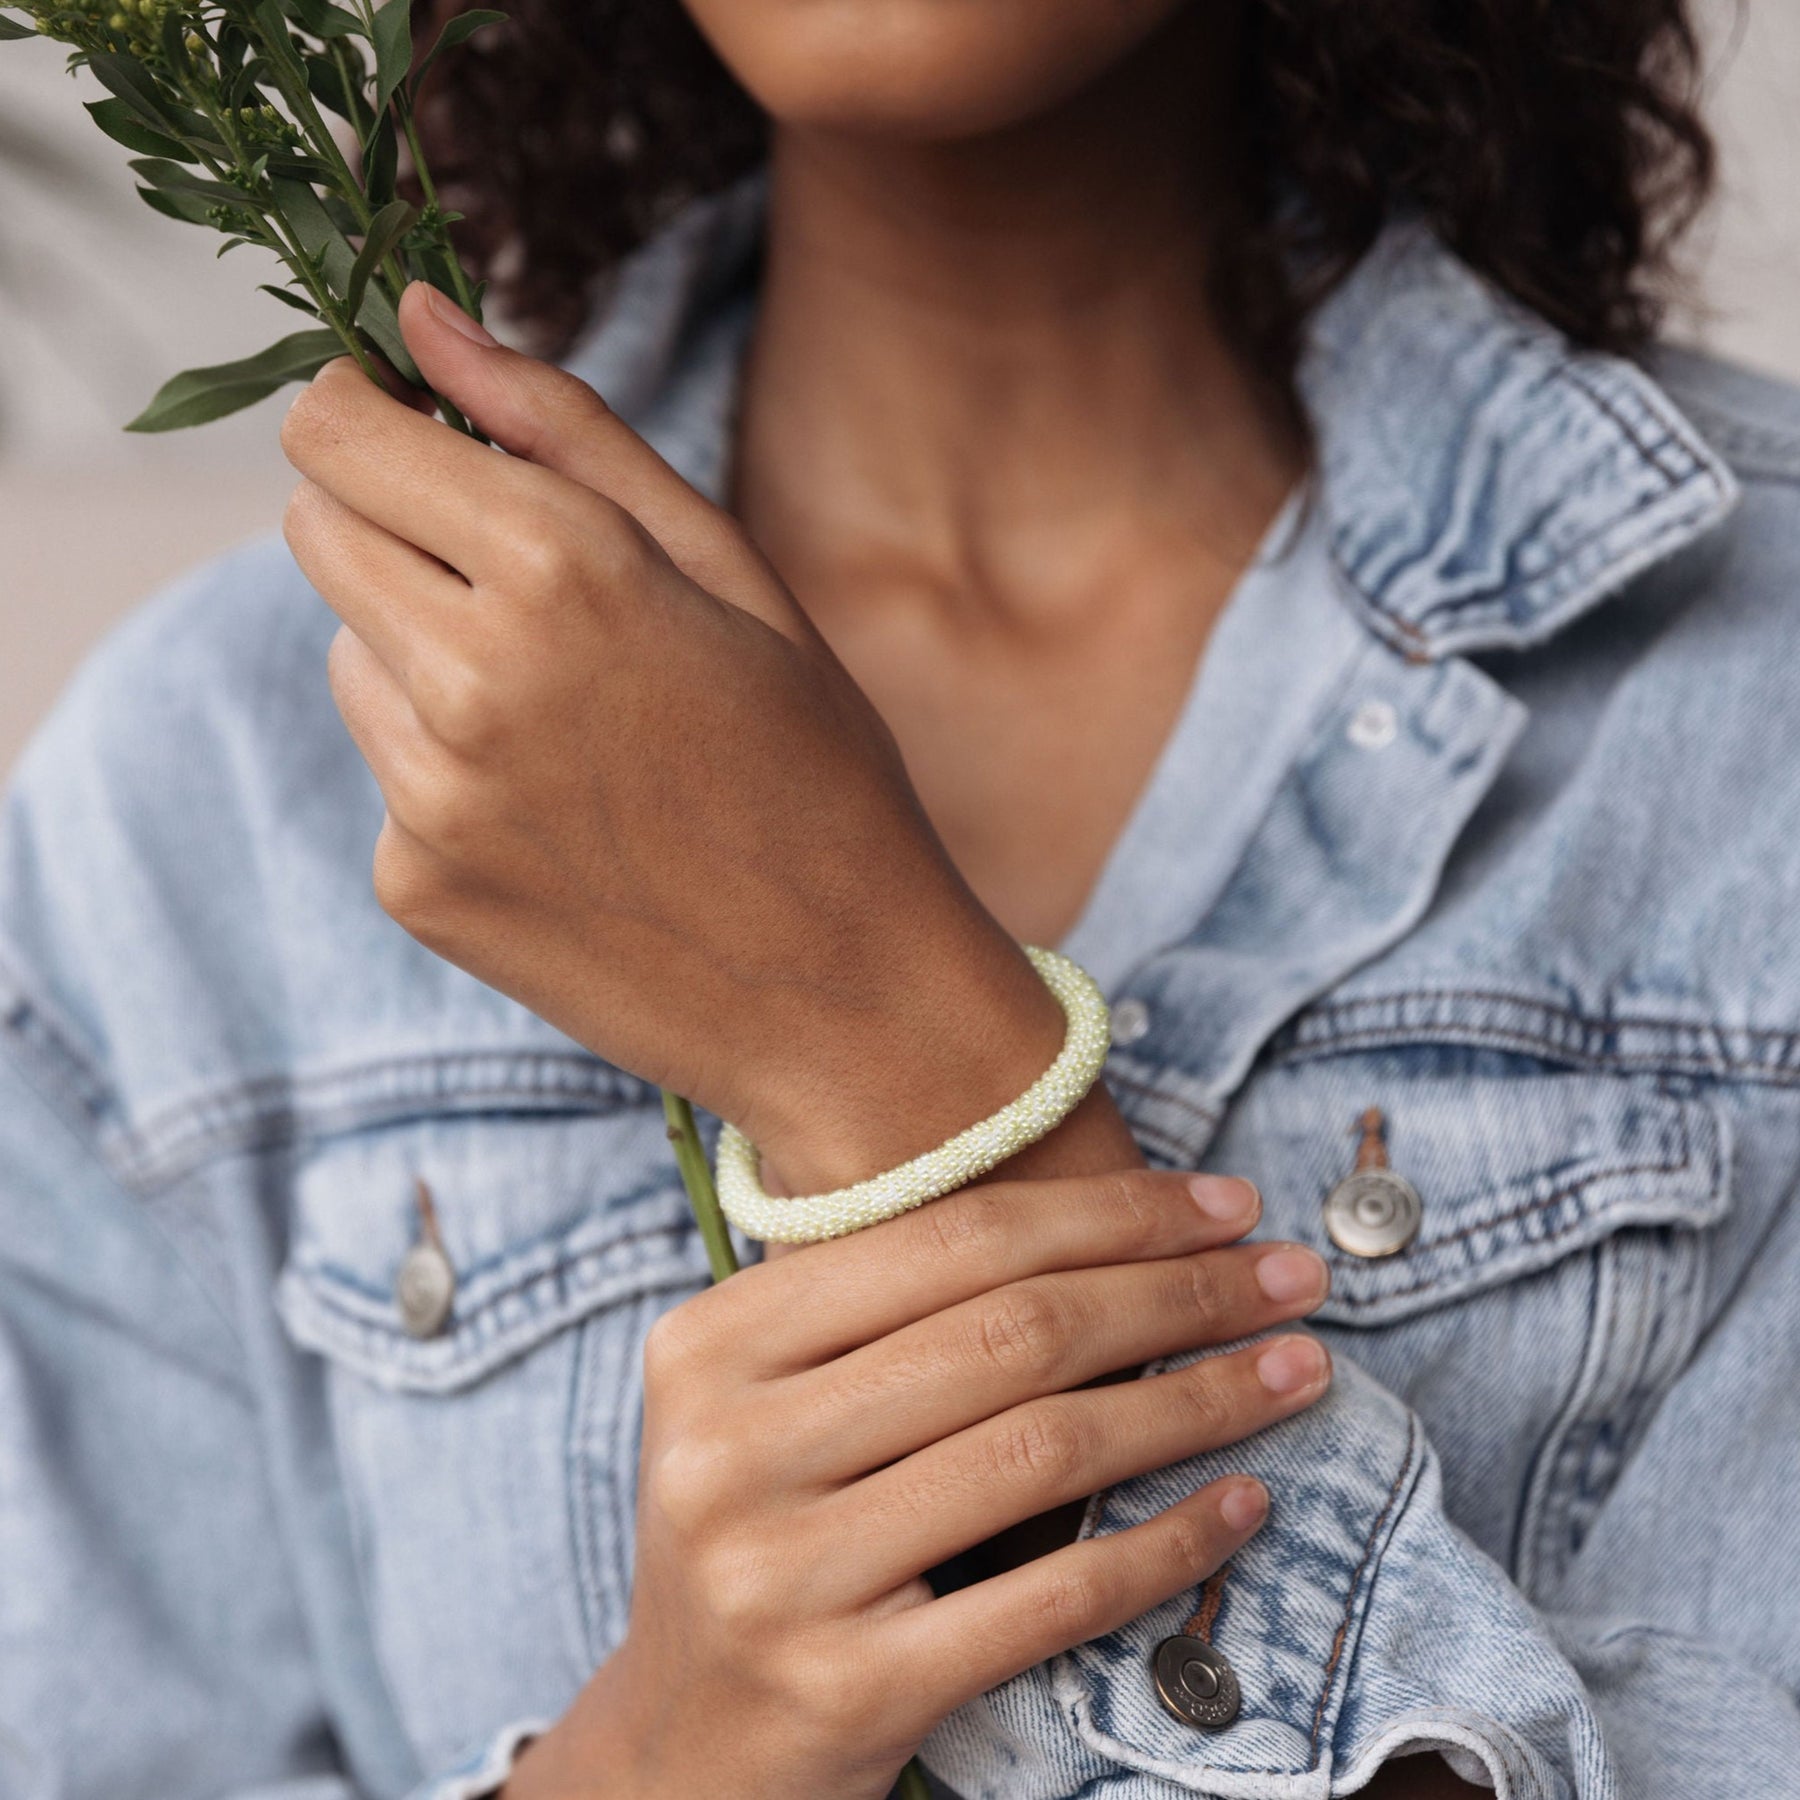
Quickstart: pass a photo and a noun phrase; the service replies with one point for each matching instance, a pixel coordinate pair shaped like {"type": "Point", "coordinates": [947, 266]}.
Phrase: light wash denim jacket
{"type": "Point", "coordinates": [1484, 811]}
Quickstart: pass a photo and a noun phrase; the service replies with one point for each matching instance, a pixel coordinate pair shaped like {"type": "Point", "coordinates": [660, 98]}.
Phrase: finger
{"type": "Point", "coordinates": [1035, 1337]}
{"type": "Point", "coordinates": [398, 601]}
{"type": "Point", "coordinates": [983, 1635]}
{"type": "Point", "coordinates": [481, 513]}
{"type": "Point", "coordinates": [380, 718]}
{"type": "Point", "coordinates": [950, 1495]}
{"type": "Point", "coordinates": [828, 1298]}
{"type": "Point", "coordinates": [552, 418]}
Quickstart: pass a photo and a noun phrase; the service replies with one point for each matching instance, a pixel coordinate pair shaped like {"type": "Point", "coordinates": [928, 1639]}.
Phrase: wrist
{"type": "Point", "coordinates": [587, 1751]}
{"type": "Point", "coordinates": [964, 1035]}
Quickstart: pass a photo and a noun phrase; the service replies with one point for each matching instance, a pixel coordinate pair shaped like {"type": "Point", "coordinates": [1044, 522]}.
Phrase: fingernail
{"type": "Point", "coordinates": [1292, 1363]}
{"type": "Point", "coordinates": [1245, 1505]}
{"type": "Point", "coordinates": [1225, 1197]}
{"type": "Point", "coordinates": [1292, 1274]}
{"type": "Point", "coordinates": [446, 309]}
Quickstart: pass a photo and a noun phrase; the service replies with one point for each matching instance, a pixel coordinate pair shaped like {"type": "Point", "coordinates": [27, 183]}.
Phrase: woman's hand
{"type": "Point", "coordinates": [626, 780]}
{"type": "Point", "coordinates": [821, 1430]}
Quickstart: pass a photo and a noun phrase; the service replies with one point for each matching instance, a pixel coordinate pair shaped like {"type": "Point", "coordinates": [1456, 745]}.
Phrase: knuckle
{"type": "Point", "coordinates": [1042, 1445]}
{"type": "Point", "coordinates": [675, 1342]}
{"type": "Point", "coordinates": [542, 562]}
{"type": "Point", "coordinates": [821, 1690]}
{"type": "Point", "coordinates": [1199, 1289]}
{"type": "Point", "coordinates": [747, 1586]}
{"type": "Point", "coordinates": [615, 548]}
{"type": "Point", "coordinates": [435, 807]}
{"type": "Point", "coordinates": [1187, 1544]}
{"type": "Point", "coordinates": [966, 1230]}
{"type": "Point", "coordinates": [1212, 1404]}
{"type": "Point", "coordinates": [1019, 1330]}
{"type": "Point", "coordinates": [692, 1479]}
{"type": "Point", "coordinates": [1130, 1200]}
{"type": "Point", "coordinates": [406, 887]}
{"type": "Point", "coordinates": [1069, 1598]}
{"type": "Point", "coordinates": [301, 515]}
{"type": "Point", "coordinates": [455, 699]}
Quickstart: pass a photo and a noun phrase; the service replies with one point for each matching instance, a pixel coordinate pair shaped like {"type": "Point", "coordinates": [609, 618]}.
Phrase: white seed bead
{"type": "Point", "coordinates": [806, 1219]}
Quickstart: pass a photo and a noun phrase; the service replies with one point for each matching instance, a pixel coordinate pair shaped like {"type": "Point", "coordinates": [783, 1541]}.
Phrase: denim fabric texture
{"type": "Point", "coordinates": [1483, 810]}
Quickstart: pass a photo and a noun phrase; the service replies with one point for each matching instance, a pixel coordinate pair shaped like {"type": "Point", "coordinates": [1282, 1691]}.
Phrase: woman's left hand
{"type": "Point", "coordinates": [626, 780]}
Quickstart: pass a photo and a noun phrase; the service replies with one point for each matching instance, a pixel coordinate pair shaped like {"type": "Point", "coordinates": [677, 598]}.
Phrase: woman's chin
{"type": "Point", "coordinates": [922, 70]}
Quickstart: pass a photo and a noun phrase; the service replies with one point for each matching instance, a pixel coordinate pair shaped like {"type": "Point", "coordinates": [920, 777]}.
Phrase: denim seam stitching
{"type": "Point", "coordinates": [272, 1111]}
{"type": "Point", "coordinates": [1343, 1631]}
{"type": "Point", "coordinates": [1363, 1002]}
{"type": "Point", "coordinates": [1668, 1061]}
{"type": "Point", "coordinates": [1205, 1114]}
{"type": "Point", "coordinates": [1317, 1033]}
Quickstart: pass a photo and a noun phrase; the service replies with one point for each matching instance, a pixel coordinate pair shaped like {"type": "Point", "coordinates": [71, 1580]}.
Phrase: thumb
{"type": "Point", "coordinates": [534, 410]}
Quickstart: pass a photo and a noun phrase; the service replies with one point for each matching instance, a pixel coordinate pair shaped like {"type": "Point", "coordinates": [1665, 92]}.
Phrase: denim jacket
{"type": "Point", "coordinates": [1483, 815]}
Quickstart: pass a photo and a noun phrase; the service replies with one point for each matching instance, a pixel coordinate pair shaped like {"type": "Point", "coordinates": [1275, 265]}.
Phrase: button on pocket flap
{"type": "Point", "coordinates": [426, 1255]}
{"type": "Point", "coordinates": [1429, 1172]}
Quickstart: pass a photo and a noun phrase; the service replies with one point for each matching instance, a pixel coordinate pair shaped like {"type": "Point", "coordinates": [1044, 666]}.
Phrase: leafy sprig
{"type": "Point", "coordinates": [228, 106]}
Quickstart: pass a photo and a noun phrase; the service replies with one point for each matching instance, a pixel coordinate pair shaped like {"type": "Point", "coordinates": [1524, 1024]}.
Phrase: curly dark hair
{"type": "Point", "coordinates": [1555, 145]}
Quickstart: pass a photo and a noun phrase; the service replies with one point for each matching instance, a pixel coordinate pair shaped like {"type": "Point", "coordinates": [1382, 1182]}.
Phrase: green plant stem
{"type": "Point", "coordinates": [696, 1177]}
{"type": "Point", "coordinates": [274, 237]}
{"type": "Point", "coordinates": [911, 1785]}
{"type": "Point", "coordinates": [465, 295]}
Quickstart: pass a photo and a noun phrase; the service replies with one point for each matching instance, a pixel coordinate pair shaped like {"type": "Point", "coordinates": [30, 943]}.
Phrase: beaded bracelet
{"type": "Point", "coordinates": [806, 1219]}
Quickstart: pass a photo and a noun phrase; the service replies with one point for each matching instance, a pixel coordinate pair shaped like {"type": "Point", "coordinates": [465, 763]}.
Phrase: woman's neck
{"type": "Point", "coordinates": [990, 366]}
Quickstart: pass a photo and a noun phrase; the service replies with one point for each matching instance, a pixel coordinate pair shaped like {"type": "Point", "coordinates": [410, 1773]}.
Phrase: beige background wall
{"type": "Point", "coordinates": [100, 301]}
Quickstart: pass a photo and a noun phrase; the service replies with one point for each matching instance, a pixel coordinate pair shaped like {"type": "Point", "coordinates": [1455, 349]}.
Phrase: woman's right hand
{"type": "Point", "coordinates": [825, 1427]}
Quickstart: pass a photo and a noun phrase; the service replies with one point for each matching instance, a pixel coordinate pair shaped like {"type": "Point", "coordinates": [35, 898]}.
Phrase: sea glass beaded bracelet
{"type": "Point", "coordinates": [809, 1218]}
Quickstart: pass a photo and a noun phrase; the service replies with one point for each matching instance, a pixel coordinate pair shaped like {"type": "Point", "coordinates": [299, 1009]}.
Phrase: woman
{"type": "Point", "coordinates": [1169, 481]}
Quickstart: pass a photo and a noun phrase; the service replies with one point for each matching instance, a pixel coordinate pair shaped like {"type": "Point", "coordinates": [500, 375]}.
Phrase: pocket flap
{"type": "Point", "coordinates": [1515, 1165]}
{"type": "Point", "coordinates": [543, 1221]}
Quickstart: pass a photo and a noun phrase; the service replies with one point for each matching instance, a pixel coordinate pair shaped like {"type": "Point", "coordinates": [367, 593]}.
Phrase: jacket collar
{"type": "Point", "coordinates": [1484, 482]}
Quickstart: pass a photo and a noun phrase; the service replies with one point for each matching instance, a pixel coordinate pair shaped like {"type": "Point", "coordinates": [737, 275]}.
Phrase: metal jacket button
{"type": "Point", "coordinates": [1196, 1683]}
{"type": "Point", "coordinates": [1373, 1212]}
{"type": "Point", "coordinates": [425, 1287]}
{"type": "Point", "coordinates": [1130, 1020]}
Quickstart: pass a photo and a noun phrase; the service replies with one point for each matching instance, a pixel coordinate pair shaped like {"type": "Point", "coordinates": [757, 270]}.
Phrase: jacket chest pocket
{"type": "Point", "coordinates": [1546, 1293]}
{"type": "Point", "coordinates": [481, 1356]}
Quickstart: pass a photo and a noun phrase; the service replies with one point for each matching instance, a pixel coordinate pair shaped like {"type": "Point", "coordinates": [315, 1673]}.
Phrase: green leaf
{"type": "Point", "coordinates": [297, 167]}
{"type": "Point", "coordinates": [197, 396]}
{"type": "Point", "coordinates": [120, 124]}
{"type": "Point", "coordinates": [11, 29]}
{"type": "Point", "coordinates": [381, 163]}
{"type": "Point", "coordinates": [172, 178]}
{"type": "Point", "coordinates": [318, 234]}
{"type": "Point", "coordinates": [458, 31]}
{"type": "Point", "coordinates": [393, 49]}
{"type": "Point", "coordinates": [171, 206]}
{"type": "Point", "coordinates": [231, 243]}
{"type": "Point", "coordinates": [386, 230]}
{"type": "Point", "coordinates": [241, 89]}
{"type": "Point", "coordinates": [288, 297]}
{"type": "Point", "coordinates": [126, 77]}
{"type": "Point", "coordinates": [277, 44]}
{"type": "Point", "coordinates": [320, 19]}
